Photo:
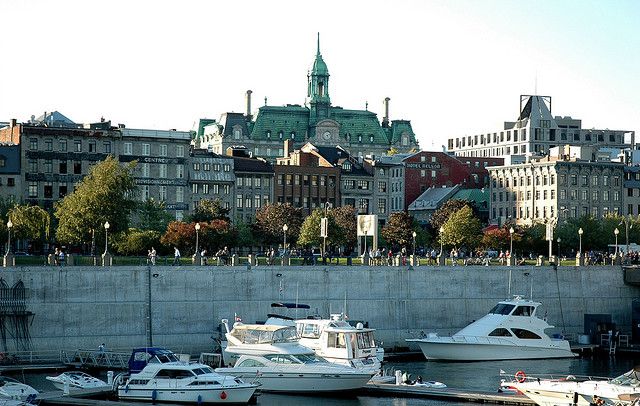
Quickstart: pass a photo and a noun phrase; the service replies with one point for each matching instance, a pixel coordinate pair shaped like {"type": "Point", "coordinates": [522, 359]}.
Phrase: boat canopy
{"type": "Point", "coordinates": [140, 357]}
{"type": "Point", "coordinates": [291, 305]}
{"type": "Point", "coordinates": [264, 333]}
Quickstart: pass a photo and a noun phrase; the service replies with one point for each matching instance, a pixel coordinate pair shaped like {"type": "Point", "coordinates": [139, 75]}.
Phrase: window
{"type": "Point", "coordinates": [226, 189]}
{"type": "Point", "coordinates": [48, 166]}
{"type": "Point", "coordinates": [146, 149]}
{"type": "Point", "coordinates": [206, 166]}
{"type": "Point", "coordinates": [92, 146]}
{"type": "Point", "coordinates": [256, 181]}
{"type": "Point", "coordinates": [33, 144]}
{"type": "Point", "coordinates": [247, 202]}
{"type": "Point", "coordinates": [205, 189]}
{"type": "Point", "coordinates": [382, 206]}
{"type": "Point", "coordinates": [62, 145]}
{"type": "Point", "coordinates": [163, 193]}
{"type": "Point", "coordinates": [77, 146]}
{"type": "Point", "coordinates": [216, 188]}
{"type": "Point", "coordinates": [574, 180]}
{"type": "Point", "coordinates": [180, 194]}
{"type": "Point", "coordinates": [145, 170]}
{"type": "Point", "coordinates": [500, 332]}
{"type": "Point", "coordinates": [236, 133]}
{"type": "Point", "coordinates": [33, 189]}
{"type": "Point", "coordinates": [106, 146]}
{"type": "Point", "coordinates": [180, 171]}
{"type": "Point", "coordinates": [363, 185]}
{"type": "Point", "coordinates": [33, 165]}
{"type": "Point", "coordinates": [77, 168]}
{"type": "Point", "coordinates": [48, 144]}
{"type": "Point", "coordinates": [48, 190]}
{"type": "Point", "coordinates": [525, 334]}
{"type": "Point", "coordinates": [256, 201]}
{"type": "Point", "coordinates": [239, 201]}
{"type": "Point", "coordinates": [62, 167]}
{"type": "Point", "coordinates": [194, 188]}
{"type": "Point", "coordinates": [227, 167]}
{"type": "Point", "coordinates": [163, 150]}
{"type": "Point", "coordinates": [382, 187]}
{"type": "Point", "coordinates": [196, 166]}
{"type": "Point", "coordinates": [62, 191]}
{"type": "Point", "coordinates": [128, 148]}
{"type": "Point", "coordinates": [180, 151]}
{"type": "Point", "coordinates": [216, 167]}
{"type": "Point", "coordinates": [144, 192]}
{"type": "Point", "coordinates": [163, 170]}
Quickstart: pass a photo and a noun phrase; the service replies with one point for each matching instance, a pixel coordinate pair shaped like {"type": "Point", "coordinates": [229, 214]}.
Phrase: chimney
{"type": "Point", "coordinates": [288, 148]}
{"type": "Point", "coordinates": [12, 122]}
{"type": "Point", "coordinates": [248, 100]}
{"type": "Point", "coordinates": [385, 119]}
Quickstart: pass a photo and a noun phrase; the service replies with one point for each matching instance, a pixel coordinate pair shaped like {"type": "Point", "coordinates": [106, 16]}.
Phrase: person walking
{"type": "Point", "coordinates": [153, 255]}
{"type": "Point", "coordinates": [176, 256]}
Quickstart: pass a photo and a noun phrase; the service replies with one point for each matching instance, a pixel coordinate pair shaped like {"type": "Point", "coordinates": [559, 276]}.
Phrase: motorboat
{"type": "Point", "coordinates": [157, 374]}
{"type": "Point", "coordinates": [272, 355]}
{"type": "Point", "coordinates": [577, 390]}
{"type": "Point", "coordinates": [10, 389]}
{"type": "Point", "coordinates": [76, 380]}
{"type": "Point", "coordinates": [511, 330]}
{"type": "Point", "coordinates": [336, 340]}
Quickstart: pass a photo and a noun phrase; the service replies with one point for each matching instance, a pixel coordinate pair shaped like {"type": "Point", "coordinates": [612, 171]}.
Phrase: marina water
{"type": "Point", "coordinates": [474, 376]}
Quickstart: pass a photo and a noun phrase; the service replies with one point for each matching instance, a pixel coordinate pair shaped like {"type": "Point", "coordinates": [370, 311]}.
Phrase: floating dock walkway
{"type": "Point", "coordinates": [448, 394]}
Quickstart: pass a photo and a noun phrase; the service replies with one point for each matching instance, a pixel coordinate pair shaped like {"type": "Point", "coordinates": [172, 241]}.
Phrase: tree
{"type": "Point", "coordinates": [212, 236]}
{"type": "Point", "coordinates": [399, 229]}
{"type": "Point", "coordinates": [245, 237]}
{"type": "Point", "coordinates": [500, 239]}
{"type": "Point", "coordinates": [533, 239]}
{"type": "Point", "coordinates": [440, 216]}
{"type": "Point", "coordinates": [271, 217]}
{"type": "Point", "coordinates": [137, 242]}
{"type": "Point", "coordinates": [346, 227]}
{"type": "Point", "coordinates": [30, 222]}
{"type": "Point", "coordinates": [208, 210]}
{"type": "Point", "coordinates": [105, 194]}
{"type": "Point", "coordinates": [462, 229]}
{"type": "Point", "coordinates": [310, 229]}
{"type": "Point", "coordinates": [152, 215]}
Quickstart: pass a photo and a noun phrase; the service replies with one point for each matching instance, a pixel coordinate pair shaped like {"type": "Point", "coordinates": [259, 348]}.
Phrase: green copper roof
{"type": "Point", "coordinates": [286, 119]}
{"type": "Point", "coordinates": [202, 124]}
{"type": "Point", "coordinates": [472, 195]}
{"type": "Point", "coordinates": [319, 67]}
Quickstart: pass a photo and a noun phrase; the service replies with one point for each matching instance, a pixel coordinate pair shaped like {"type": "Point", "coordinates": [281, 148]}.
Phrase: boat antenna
{"type": "Point", "coordinates": [345, 306]}
{"type": "Point", "coordinates": [297, 291]}
{"type": "Point", "coordinates": [531, 289]}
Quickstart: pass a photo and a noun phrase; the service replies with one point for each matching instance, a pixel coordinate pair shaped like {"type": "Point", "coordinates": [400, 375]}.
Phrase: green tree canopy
{"type": "Point", "coordinates": [208, 210]}
{"type": "Point", "coordinates": [399, 229]}
{"type": "Point", "coordinates": [212, 236]}
{"type": "Point", "coordinates": [152, 215]}
{"type": "Point", "coordinates": [346, 228]}
{"type": "Point", "coordinates": [462, 229]}
{"type": "Point", "coordinates": [271, 217]}
{"type": "Point", "coordinates": [441, 215]}
{"type": "Point", "coordinates": [105, 194]}
{"type": "Point", "coordinates": [29, 222]}
{"type": "Point", "coordinates": [137, 242]}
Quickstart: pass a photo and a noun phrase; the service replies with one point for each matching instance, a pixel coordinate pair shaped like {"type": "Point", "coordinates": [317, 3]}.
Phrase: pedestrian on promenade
{"type": "Point", "coordinates": [154, 255]}
{"type": "Point", "coordinates": [176, 256]}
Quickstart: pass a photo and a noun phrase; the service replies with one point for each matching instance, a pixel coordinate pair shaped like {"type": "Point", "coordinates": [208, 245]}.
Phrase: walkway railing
{"type": "Point", "coordinates": [95, 358]}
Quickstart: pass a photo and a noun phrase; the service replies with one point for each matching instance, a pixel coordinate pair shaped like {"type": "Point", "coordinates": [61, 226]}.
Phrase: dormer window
{"type": "Point", "coordinates": [371, 138]}
{"type": "Point", "coordinates": [346, 165]}
{"type": "Point", "coordinates": [405, 140]}
{"type": "Point", "coordinates": [293, 135]}
{"type": "Point", "coordinates": [268, 135]}
{"type": "Point", "coordinates": [236, 133]}
{"type": "Point", "coordinates": [280, 134]}
{"type": "Point", "coordinates": [359, 138]}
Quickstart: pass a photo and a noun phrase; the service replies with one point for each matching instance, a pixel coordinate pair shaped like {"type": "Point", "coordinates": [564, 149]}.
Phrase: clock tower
{"type": "Point", "coordinates": [318, 88]}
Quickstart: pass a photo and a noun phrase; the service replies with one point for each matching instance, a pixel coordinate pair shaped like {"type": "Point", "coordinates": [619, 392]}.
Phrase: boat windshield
{"type": "Point", "coordinates": [202, 371]}
{"type": "Point", "coordinates": [365, 340]}
{"type": "Point", "coordinates": [631, 378]}
{"type": "Point", "coordinates": [282, 359]}
{"type": "Point", "coordinates": [164, 358]}
{"type": "Point", "coordinates": [502, 308]}
{"type": "Point", "coordinates": [284, 335]}
{"type": "Point", "coordinates": [310, 358]}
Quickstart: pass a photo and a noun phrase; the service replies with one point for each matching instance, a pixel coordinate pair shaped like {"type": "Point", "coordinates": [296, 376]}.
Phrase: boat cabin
{"type": "Point", "coordinates": [264, 334]}
{"type": "Point", "coordinates": [140, 357]}
{"type": "Point", "coordinates": [337, 338]}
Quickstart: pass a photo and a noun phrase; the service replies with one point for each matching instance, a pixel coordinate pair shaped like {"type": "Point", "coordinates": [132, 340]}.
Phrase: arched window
{"type": "Point", "coordinates": [280, 134]}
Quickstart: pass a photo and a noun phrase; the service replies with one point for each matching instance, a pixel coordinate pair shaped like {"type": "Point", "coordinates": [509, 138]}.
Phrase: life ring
{"type": "Point", "coordinates": [520, 376]}
{"type": "Point", "coordinates": [223, 395]}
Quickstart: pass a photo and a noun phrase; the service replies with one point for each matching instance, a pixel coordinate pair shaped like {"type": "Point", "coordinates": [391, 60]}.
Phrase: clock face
{"type": "Point", "coordinates": [326, 135]}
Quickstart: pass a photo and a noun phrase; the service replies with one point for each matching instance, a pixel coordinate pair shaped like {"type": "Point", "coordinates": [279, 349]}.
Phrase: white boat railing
{"type": "Point", "coordinates": [521, 376]}
{"type": "Point", "coordinates": [481, 340]}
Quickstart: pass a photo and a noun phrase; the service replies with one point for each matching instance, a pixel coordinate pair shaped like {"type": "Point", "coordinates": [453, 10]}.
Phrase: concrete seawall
{"type": "Point", "coordinates": [81, 307]}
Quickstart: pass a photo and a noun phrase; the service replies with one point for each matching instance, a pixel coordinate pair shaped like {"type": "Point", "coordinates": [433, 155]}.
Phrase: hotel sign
{"type": "Point", "coordinates": [423, 165]}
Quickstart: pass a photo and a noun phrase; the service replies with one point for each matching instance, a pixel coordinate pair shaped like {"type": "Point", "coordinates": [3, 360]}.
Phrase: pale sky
{"type": "Point", "coordinates": [451, 67]}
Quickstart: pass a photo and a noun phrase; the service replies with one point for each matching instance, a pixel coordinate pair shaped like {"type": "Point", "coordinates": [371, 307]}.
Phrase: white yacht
{"type": "Point", "coordinates": [14, 390]}
{"type": "Point", "coordinates": [272, 355]}
{"type": "Point", "coordinates": [575, 390]}
{"type": "Point", "coordinates": [338, 341]}
{"type": "Point", "coordinates": [156, 374]}
{"type": "Point", "coordinates": [76, 380]}
{"type": "Point", "coordinates": [511, 330]}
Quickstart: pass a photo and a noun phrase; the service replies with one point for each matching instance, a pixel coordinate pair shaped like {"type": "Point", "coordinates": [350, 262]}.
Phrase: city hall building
{"type": "Point", "coordinates": [319, 121]}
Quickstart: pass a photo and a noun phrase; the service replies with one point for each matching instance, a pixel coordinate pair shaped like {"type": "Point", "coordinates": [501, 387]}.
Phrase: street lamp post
{"type": "Point", "coordinates": [9, 226]}
{"type": "Point", "coordinates": [9, 260]}
{"type": "Point", "coordinates": [559, 240]}
{"type": "Point", "coordinates": [580, 231]}
{"type": "Point", "coordinates": [284, 246]}
{"type": "Point", "coordinates": [441, 259]}
{"type": "Point", "coordinates": [616, 232]}
{"type": "Point", "coordinates": [414, 260]}
{"type": "Point", "coordinates": [197, 258]}
{"type": "Point", "coordinates": [414, 242]}
{"type": "Point", "coordinates": [510, 262]}
{"type": "Point", "coordinates": [106, 257]}
{"type": "Point", "coordinates": [579, 256]}
{"type": "Point", "coordinates": [324, 226]}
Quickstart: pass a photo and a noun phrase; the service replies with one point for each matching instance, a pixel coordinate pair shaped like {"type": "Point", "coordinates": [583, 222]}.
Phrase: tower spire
{"type": "Point", "coordinates": [318, 51]}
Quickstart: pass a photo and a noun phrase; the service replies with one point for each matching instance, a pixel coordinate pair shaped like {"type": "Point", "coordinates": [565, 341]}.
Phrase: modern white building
{"type": "Point", "coordinates": [534, 133]}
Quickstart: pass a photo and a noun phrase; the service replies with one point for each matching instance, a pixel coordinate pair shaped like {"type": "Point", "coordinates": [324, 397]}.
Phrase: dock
{"type": "Point", "coordinates": [448, 394]}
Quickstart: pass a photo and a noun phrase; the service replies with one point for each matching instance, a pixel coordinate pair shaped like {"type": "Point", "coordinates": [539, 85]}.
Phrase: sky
{"type": "Point", "coordinates": [452, 67]}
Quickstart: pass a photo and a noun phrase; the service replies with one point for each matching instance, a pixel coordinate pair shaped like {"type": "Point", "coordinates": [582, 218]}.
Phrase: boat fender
{"type": "Point", "coordinates": [199, 400]}
{"type": "Point", "coordinates": [154, 395]}
{"type": "Point", "coordinates": [520, 376]}
{"type": "Point", "coordinates": [223, 395]}
{"type": "Point", "coordinates": [126, 388]}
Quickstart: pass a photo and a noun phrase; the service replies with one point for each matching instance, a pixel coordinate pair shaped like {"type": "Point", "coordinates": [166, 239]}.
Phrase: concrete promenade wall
{"type": "Point", "coordinates": [81, 307]}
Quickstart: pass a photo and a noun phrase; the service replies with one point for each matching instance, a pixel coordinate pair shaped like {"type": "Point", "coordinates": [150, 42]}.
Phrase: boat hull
{"type": "Point", "coordinates": [551, 393]}
{"type": "Point", "coordinates": [301, 382]}
{"type": "Point", "coordinates": [465, 351]}
{"type": "Point", "coordinates": [183, 395]}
